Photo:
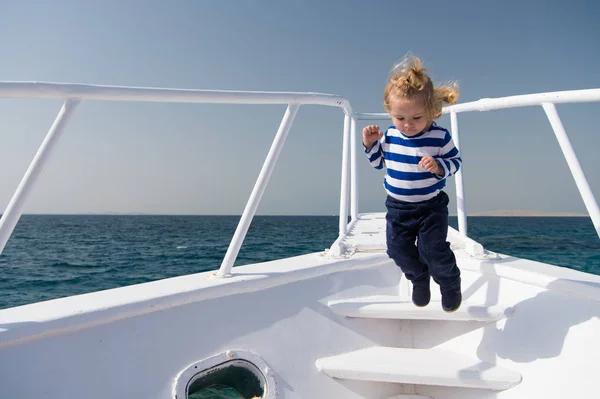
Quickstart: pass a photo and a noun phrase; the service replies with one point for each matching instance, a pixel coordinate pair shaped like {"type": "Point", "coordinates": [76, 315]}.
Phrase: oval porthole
{"type": "Point", "coordinates": [233, 374]}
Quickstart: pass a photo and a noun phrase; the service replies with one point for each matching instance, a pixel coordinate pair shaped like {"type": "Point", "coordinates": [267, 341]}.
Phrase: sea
{"type": "Point", "coordinates": [53, 256]}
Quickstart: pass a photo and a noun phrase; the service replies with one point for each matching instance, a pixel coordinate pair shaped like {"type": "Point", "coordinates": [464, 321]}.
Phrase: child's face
{"type": "Point", "coordinates": [408, 115]}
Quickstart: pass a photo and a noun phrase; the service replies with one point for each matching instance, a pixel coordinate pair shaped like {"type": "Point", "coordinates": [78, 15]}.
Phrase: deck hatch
{"type": "Point", "coordinates": [237, 374]}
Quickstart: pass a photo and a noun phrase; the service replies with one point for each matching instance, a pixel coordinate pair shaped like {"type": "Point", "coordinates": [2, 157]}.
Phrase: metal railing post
{"type": "Point", "coordinates": [461, 208]}
{"type": "Point", "coordinates": [353, 174]}
{"type": "Point", "coordinates": [344, 181]}
{"type": "Point", "coordinates": [574, 166]}
{"type": "Point", "coordinates": [13, 211]}
{"type": "Point", "coordinates": [258, 190]}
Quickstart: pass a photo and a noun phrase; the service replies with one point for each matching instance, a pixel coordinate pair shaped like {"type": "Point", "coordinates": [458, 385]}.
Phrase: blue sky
{"type": "Point", "coordinates": [204, 159]}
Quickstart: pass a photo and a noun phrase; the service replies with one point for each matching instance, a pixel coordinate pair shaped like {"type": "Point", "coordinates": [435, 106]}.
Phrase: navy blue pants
{"type": "Point", "coordinates": [427, 224]}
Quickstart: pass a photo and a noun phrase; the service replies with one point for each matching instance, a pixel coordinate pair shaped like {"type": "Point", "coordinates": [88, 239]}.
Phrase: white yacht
{"type": "Point", "coordinates": [336, 324]}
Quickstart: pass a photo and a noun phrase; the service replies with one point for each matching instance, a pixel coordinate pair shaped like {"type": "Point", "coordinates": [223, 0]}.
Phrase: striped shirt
{"type": "Point", "coordinates": [405, 180]}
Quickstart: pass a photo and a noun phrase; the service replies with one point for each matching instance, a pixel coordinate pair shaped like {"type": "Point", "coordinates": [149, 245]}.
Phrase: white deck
{"type": "Point", "coordinates": [367, 234]}
{"type": "Point", "coordinates": [279, 311]}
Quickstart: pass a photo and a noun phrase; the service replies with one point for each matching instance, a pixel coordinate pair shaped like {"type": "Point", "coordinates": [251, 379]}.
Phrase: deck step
{"type": "Point", "coordinates": [409, 397]}
{"type": "Point", "coordinates": [417, 366]}
{"type": "Point", "coordinates": [393, 307]}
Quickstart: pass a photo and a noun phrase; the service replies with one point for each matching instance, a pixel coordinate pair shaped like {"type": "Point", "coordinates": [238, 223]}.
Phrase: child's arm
{"type": "Point", "coordinates": [432, 166]}
{"type": "Point", "coordinates": [449, 158]}
{"type": "Point", "coordinates": [371, 137]}
{"type": "Point", "coordinates": [446, 164]}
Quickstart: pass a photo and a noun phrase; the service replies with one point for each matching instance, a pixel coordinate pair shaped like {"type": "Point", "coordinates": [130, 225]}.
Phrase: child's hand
{"type": "Point", "coordinates": [431, 165]}
{"type": "Point", "coordinates": [371, 134]}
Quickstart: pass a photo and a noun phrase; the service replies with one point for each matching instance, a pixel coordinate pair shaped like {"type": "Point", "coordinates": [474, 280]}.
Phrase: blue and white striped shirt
{"type": "Point", "coordinates": [405, 180]}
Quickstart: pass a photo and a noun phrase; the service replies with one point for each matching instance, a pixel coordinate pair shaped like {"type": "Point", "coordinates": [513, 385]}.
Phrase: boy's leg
{"type": "Point", "coordinates": [401, 234]}
{"type": "Point", "coordinates": [435, 250]}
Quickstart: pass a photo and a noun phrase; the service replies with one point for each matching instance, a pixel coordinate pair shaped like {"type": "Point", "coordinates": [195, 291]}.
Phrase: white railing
{"type": "Point", "coordinates": [74, 94]}
{"type": "Point", "coordinates": [547, 101]}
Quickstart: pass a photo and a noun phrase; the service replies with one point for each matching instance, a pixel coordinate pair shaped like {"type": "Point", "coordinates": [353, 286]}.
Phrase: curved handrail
{"type": "Point", "coordinates": [155, 94]}
{"type": "Point", "coordinates": [74, 93]}
{"type": "Point", "coordinates": [524, 100]}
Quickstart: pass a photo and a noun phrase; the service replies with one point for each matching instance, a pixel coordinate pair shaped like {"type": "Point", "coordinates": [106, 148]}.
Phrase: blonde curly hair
{"type": "Point", "coordinates": [409, 78]}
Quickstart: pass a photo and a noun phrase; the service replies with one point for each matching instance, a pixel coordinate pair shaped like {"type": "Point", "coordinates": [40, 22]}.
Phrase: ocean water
{"type": "Point", "coordinates": [52, 256]}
